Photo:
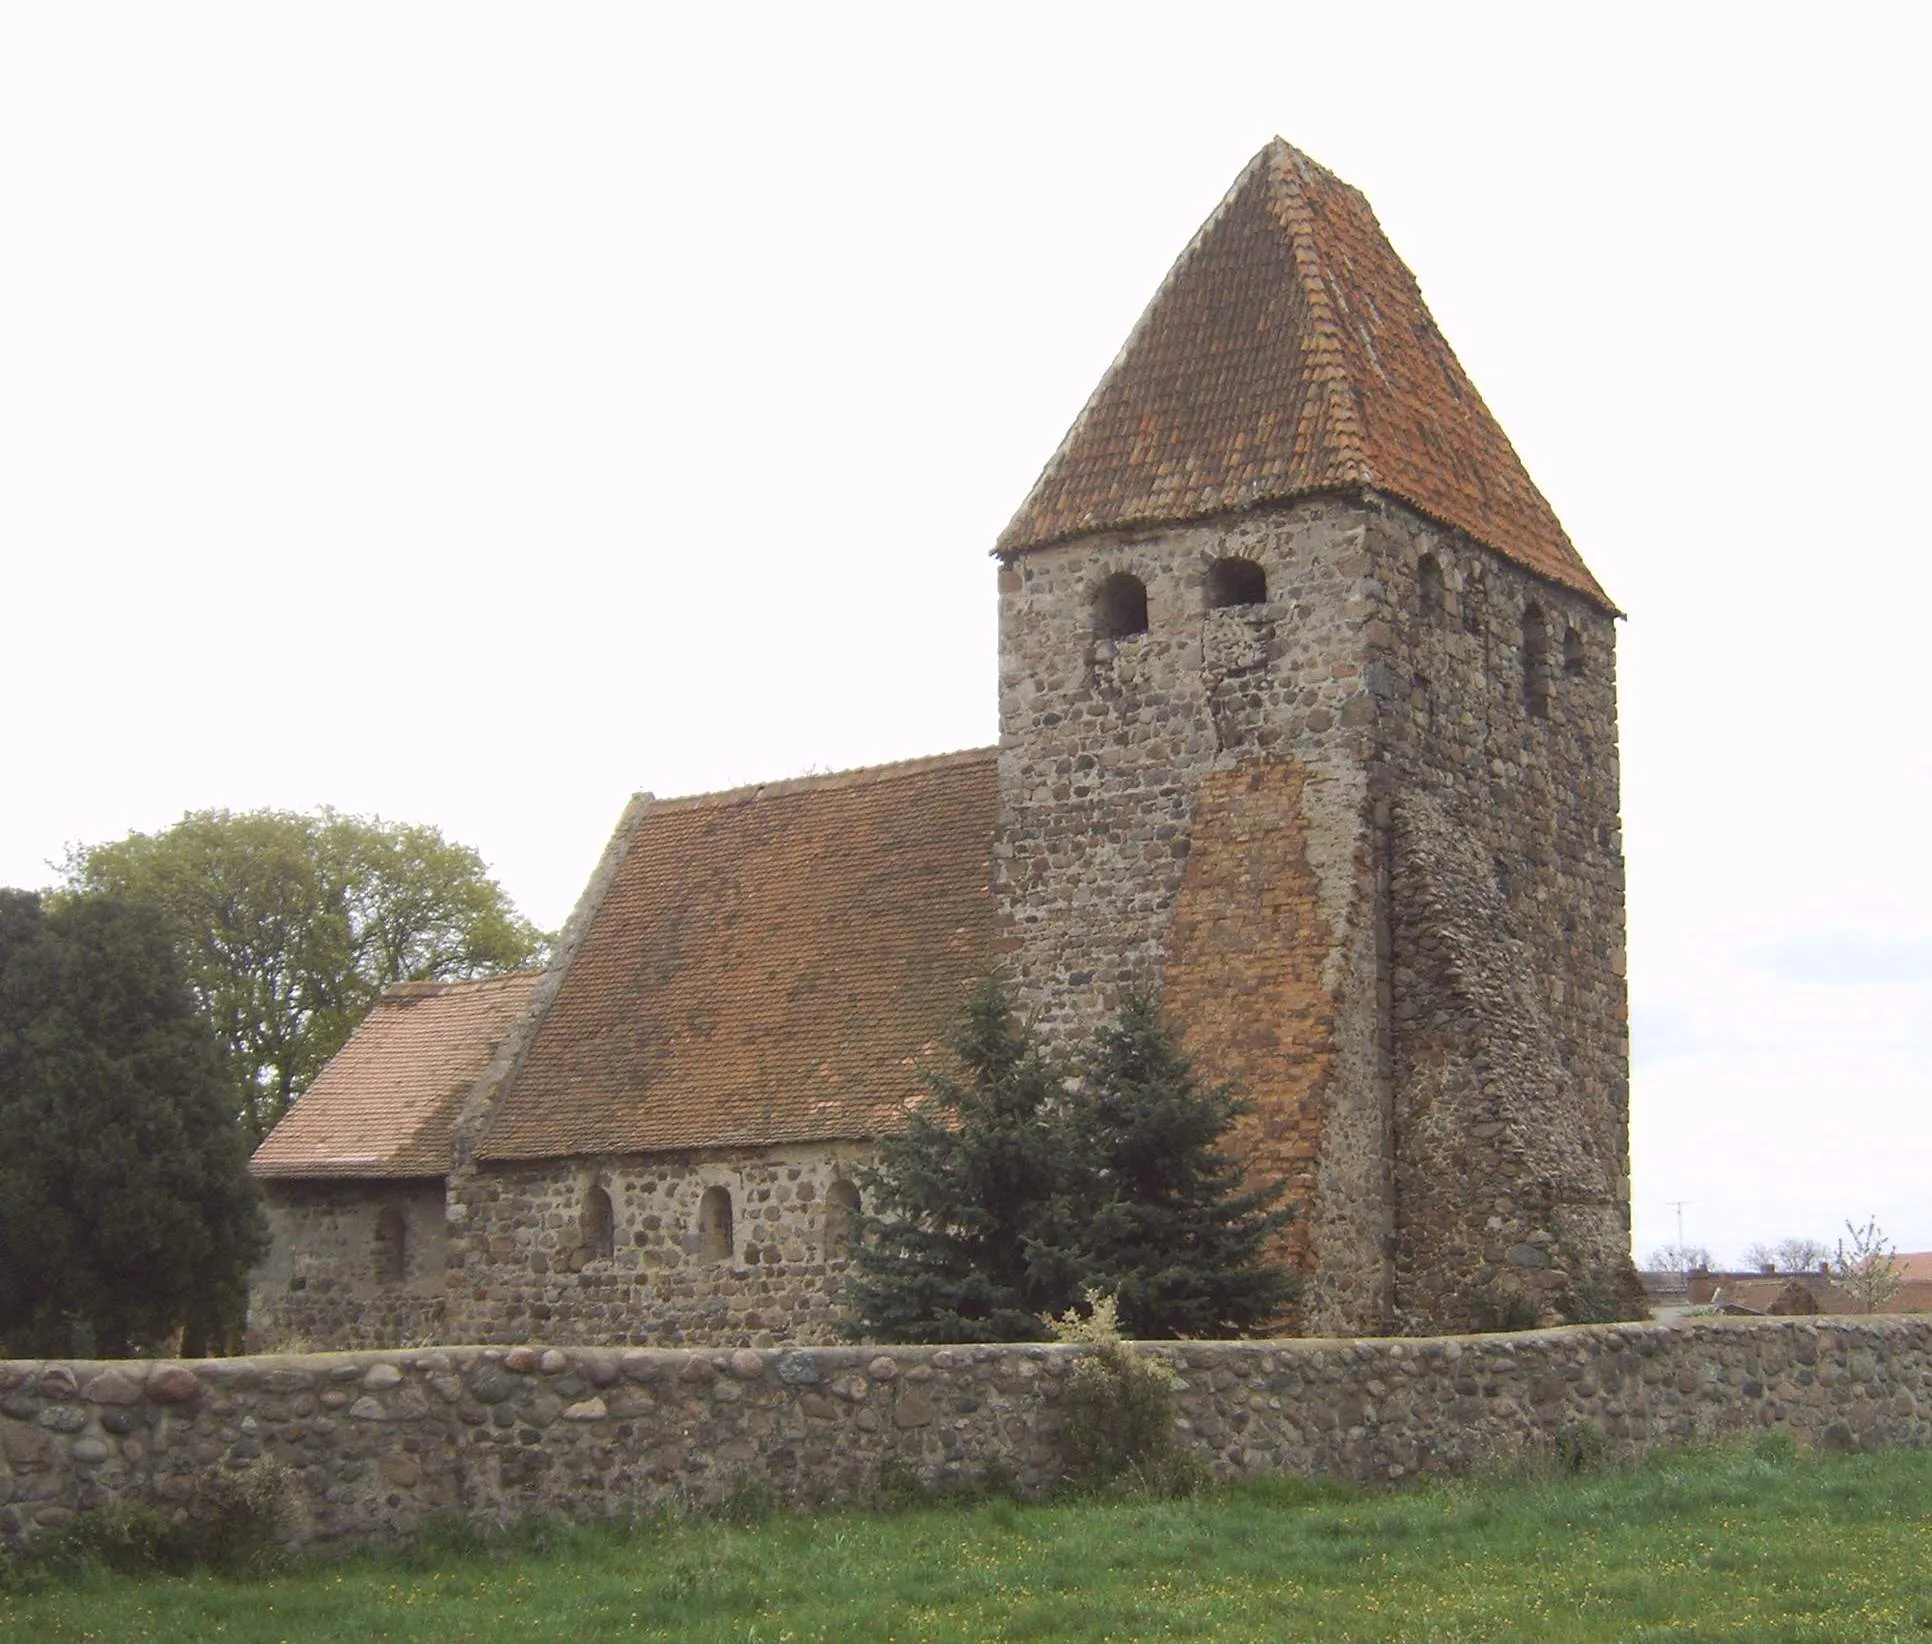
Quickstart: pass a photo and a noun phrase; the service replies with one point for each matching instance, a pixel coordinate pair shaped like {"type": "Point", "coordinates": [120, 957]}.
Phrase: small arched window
{"type": "Point", "coordinates": [1236, 582]}
{"type": "Point", "coordinates": [714, 1225]}
{"type": "Point", "coordinates": [1572, 651]}
{"type": "Point", "coordinates": [391, 1245]}
{"type": "Point", "coordinates": [600, 1229]}
{"type": "Point", "coordinates": [1429, 576]}
{"type": "Point", "coordinates": [841, 1219]}
{"type": "Point", "coordinates": [1120, 606]}
{"type": "Point", "coordinates": [1536, 663]}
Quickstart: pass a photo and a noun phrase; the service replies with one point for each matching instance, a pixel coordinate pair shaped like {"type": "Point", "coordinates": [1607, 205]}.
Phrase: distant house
{"type": "Point", "coordinates": [1761, 1289]}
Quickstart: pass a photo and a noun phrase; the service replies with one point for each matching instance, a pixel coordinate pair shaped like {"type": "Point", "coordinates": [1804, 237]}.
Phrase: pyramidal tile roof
{"type": "Point", "coordinates": [767, 965]}
{"type": "Point", "coordinates": [1289, 352]}
{"type": "Point", "coordinates": [386, 1103]}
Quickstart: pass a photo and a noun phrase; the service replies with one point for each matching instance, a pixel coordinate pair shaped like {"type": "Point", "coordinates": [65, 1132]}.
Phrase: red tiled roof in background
{"type": "Point", "coordinates": [1289, 352]}
{"type": "Point", "coordinates": [385, 1103]}
{"type": "Point", "coordinates": [768, 965]}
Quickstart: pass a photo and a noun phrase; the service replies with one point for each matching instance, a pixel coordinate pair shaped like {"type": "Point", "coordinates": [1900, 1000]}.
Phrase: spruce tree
{"type": "Point", "coordinates": [1014, 1190]}
{"type": "Point", "coordinates": [1170, 1228]}
{"type": "Point", "coordinates": [962, 1200]}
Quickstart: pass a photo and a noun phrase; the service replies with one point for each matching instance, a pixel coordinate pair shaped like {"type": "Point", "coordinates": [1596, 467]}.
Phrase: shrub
{"type": "Point", "coordinates": [235, 1528]}
{"type": "Point", "coordinates": [1581, 1447]}
{"type": "Point", "coordinates": [239, 1518]}
{"type": "Point", "coordinates": [1119, 1409]}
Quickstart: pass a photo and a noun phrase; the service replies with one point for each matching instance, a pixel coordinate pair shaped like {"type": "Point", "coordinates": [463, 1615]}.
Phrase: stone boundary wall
{"type": "Point", "coordinates": [378, 1442]}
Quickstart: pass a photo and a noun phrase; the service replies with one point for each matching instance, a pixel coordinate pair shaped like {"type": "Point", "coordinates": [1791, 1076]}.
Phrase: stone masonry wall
{"type": "Point", "coordinates": [1188, 811]}
{"type": "Point", "coordinates": [520, 1265]}
{"type": "Point", "coordinates": [377, 1443]}
{"type": "Point", "coordinates": [1507, 928]}
{"type": "Point", "coordinates": [319, 1285]}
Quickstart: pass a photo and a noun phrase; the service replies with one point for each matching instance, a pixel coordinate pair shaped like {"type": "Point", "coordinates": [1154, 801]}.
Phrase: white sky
{"type": "Point", "coordinates": [473, 413]}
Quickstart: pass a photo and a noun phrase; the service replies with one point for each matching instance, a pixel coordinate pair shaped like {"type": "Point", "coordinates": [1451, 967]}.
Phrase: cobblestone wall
{"type": "Point", "coordinates": [1188, 810]}
{"type": "Point", "coordinates": [350, 1264]}
{"type": "Point", "coordinates": [1497, 722]}
{"type": "Point", "coordinates": [1362, 836]}
{"type": "Point", "coordinates": [378, 1442]}
{"type": "Point", "coordinates": [523, 1262]}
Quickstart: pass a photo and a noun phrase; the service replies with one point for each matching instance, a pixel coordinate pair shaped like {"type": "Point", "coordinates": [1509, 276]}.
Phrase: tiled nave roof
{"type": "Point", "coordinates": [767, 965]}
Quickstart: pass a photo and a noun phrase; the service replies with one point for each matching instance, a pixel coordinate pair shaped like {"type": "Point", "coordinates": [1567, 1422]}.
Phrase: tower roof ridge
{"type": "Point", "coordinates": [1288, 352]}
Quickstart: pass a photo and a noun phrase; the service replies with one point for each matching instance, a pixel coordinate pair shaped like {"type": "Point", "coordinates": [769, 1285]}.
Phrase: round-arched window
{"type": "Point", "coordinates": [391, 1245]}
{"type": "Point", "coordinates": [714, 1225]}
{"type": "Point", "coordinates": [600, 1233]}
{"type": "Point", "coordinates": [841, 1219]}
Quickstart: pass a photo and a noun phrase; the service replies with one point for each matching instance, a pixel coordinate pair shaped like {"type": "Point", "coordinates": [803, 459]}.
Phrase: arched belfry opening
{"type": "Point", "coordinates": [1429, 579]}
{"type": "Point", "coordinates": [1120, 606]}
{"type": "Point", "coordinates": [1572, 651]}
{"type": "Point", "coordinates": [1536, 662]}
{"type": "Point", "coordinates": [1234, 581]}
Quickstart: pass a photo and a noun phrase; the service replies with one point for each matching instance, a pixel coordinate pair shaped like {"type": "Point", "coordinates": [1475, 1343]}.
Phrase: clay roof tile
{"type": "Point", "coordinates": [386, 1102]}
{"type": "Point", "coordinates": [768, 965]}
{"type": "Point", "coordinates": [1289, 352]}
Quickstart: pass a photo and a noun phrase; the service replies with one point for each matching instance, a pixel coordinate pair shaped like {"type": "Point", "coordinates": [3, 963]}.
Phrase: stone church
{"type": "Point", "coordinates": [1307, 713]}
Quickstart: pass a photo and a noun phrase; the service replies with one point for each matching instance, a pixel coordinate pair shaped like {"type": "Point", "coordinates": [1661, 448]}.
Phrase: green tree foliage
{"type": "Point", "coordinates": [1171, 1231]}
{"type": "Point", "coordinates": [126, 1209]}
{"type": "Point", "coordinates": [290, 925]}
{"type": "Point", "coordinates": [1017, 1188]}
{"type": "Point", "coordinates": [967, 1197]}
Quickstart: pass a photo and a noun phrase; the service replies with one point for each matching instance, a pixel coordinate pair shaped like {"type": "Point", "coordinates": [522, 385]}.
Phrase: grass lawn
{"type": "Point", "coordinates": [1757, 1545]}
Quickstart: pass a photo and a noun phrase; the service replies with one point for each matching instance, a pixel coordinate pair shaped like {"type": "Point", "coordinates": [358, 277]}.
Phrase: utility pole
{"type": "Point", "coordinates": [1683, 1257]}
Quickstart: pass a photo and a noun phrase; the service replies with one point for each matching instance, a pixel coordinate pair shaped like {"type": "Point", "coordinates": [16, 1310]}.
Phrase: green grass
{"type": "Point", "coordinates": [1759, 1545]}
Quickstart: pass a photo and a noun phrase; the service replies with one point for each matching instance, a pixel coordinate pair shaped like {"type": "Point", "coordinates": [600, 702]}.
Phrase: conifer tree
{"type": "Point", "coordinates": [962, 1199]}
{"type": "Point", "coordinates": [1170, 1230]}
{"type": "Point", "coordinates": [126, 1209]}
{"type": "Point", "coordinates": [1014, 1190]}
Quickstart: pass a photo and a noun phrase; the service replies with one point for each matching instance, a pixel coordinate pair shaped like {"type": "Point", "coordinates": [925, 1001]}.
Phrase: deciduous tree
{"type": "Point", "coordinates": [1678, 1258]}
{"type": "Point", "coordinates": [1868, 1266]}
{"type": "Point", "coordinates": [126, 1210]}
{"type": "Point", "coordinates": [289, 926]}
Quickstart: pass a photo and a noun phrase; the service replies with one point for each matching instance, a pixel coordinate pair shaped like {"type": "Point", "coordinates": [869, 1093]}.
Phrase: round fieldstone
{"type": "Point", "coordinates": [172, 1384]}
{"type": "Point", "coordinates": [112, 1387]}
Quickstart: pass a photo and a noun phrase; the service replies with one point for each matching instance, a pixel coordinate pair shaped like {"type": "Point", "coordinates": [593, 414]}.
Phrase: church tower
{"type": "Point", "coordinates": [1308, 726]}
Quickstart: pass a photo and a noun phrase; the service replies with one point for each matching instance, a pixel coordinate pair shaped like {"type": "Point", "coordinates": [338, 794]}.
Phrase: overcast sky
{"type": "Point", "coordinates": [471, 414]}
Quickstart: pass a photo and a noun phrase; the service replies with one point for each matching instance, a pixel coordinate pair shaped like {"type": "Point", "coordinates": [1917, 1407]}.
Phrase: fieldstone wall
{"type": "Point", "coordinates": [378, 1442]}
{"type": "Point", "coordinates": [1363, 838]}
{"type": "Point", "coordinates": [1189, 811]}
{"type": "Point", "coordinates": [1496, 696]}
{"type": "Point", "coordinates": [522, 1262]}
{"type": "Point", "coordinates": [350, 1264]}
